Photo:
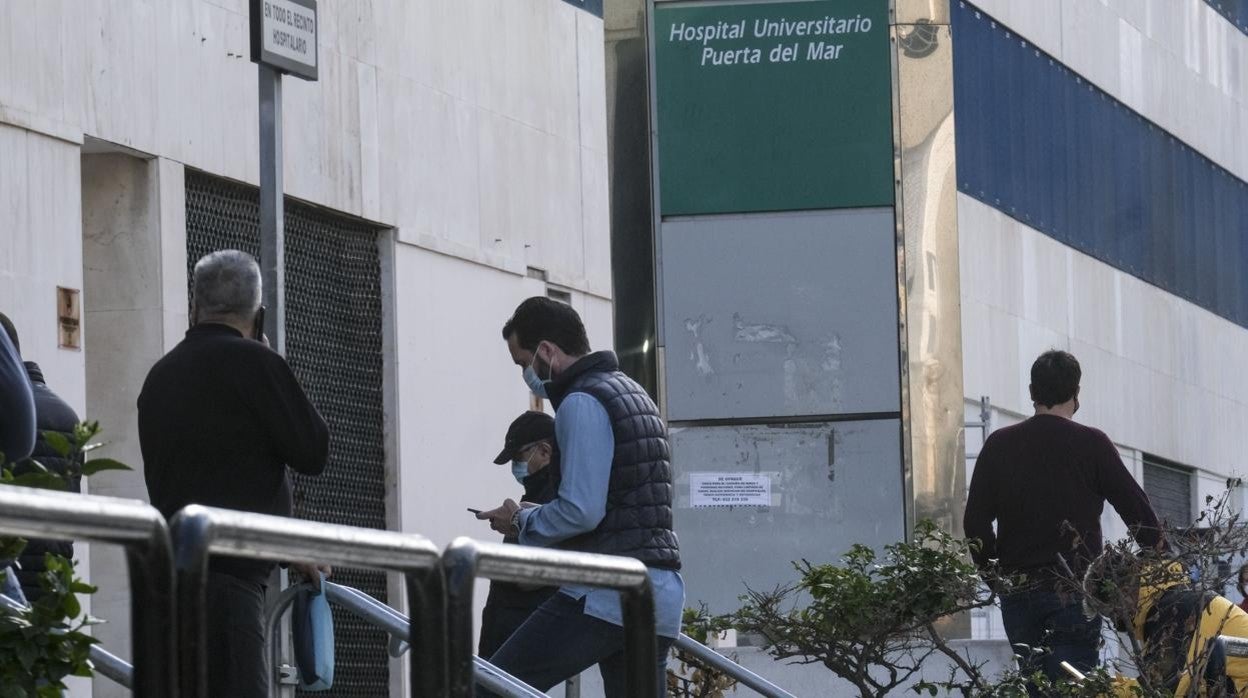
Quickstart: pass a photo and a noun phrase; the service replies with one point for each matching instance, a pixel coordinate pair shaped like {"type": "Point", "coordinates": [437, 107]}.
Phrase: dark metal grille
{"type": "Point", "coordinates": [334, 345]}
{"type": "Point", "coordinates": [1169, 489]}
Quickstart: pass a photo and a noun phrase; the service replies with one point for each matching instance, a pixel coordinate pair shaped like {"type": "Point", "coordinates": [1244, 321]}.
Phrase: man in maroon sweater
{"type": "Point", "coordinates": [1045, 483]}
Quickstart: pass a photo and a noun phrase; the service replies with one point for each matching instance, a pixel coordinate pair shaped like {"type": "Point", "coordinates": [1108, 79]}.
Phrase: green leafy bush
{"type": "Point", "coordinates": [47, 642]}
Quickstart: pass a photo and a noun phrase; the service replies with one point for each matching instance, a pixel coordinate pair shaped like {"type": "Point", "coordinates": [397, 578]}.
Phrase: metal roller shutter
{"type": "Point", "coordinates": [334, 345]}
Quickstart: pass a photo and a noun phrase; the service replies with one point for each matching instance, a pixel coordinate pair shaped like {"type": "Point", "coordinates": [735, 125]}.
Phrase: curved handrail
{"type": "Point", "coordinates": [720, 663]}
{"type": "Point", "coordinates": [397, 625]}
{"type": "Point", "coordinates": [200, 532]}
{"type": "Point", "coordinates": [142, 531]}
{"type": "Point", "coordinates": [109, 665]}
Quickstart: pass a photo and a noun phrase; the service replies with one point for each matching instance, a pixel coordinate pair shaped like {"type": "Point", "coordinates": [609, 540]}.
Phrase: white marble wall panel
{"type": "Point", "coordinates": [1090, 39]}
{"type": "Point", "coordinates": [595, 220]}
{"type": "Point", "coordinates": [411, 96]}
{"type": "Point", "coordinates": [519, 167]}
{"type": "Point", "coordinates": [133, 238]}
{"type": "Point", "coordinates": [1177, 62]}
{"type": "Point", "coordinates": [40, 250]}
{"type": "Point", "coordinates": [1093, 299]}
{"type": "Point", "coordinates": [591, 69]}
{"type": "Point", "coordinates": [1161, 375]}
{"type": "Point", "coordinates": [994, 255]}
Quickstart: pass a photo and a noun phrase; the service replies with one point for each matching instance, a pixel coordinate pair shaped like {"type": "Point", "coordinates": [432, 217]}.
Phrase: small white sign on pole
{"type": "Point", "coordinates": [729, 489]}
{"type": "Point", "coordinates": [283, 35]}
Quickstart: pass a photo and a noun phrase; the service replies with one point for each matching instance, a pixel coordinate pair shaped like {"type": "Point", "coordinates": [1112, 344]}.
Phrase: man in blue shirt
{"type": "Point", "coordinates": [615, 498]}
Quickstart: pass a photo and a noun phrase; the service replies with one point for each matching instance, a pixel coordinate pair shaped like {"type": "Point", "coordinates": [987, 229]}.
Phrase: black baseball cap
{"type": "Point", "coordinates": [528, 428]}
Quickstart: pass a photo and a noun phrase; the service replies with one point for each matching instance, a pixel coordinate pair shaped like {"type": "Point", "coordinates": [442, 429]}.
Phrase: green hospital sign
{"type": "Point", "coordinates": [773, 106]}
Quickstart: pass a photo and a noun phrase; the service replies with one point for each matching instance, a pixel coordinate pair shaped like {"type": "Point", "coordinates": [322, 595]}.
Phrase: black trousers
{"type": "Point", "coordinates": [237, 665]}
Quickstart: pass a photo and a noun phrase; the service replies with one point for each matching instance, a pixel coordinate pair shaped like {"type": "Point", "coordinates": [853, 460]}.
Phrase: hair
{"type": "Point", "coordinates": [11, 331]}
{"type": "Point", "coordinates": [540, 319]}
{"type": "Point", "coordinates": [227, 285]}
{"type": "Point", "coordinates": [1055, 378]}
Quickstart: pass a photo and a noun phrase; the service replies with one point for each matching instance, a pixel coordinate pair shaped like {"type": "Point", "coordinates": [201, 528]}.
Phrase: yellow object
{"type": "Point", "coordinates": [1219, 617]}
{"type": "Point", "coordinates": [1124, 687]}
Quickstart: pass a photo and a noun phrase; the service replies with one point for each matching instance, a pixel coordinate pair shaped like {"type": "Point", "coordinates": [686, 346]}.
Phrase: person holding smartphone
{"type": "Point", "coordinates": [530, 449]}
{"type": "Point", "coordinates": [221, 420]}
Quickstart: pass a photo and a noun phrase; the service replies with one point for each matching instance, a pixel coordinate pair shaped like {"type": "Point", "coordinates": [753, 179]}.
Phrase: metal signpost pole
{"type": "Point", "coordinates": [283, 42]}
{"type": "Point", "coordinates": [272, 208]}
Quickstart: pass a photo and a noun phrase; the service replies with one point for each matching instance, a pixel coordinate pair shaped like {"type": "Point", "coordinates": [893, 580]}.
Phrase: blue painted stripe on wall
{"type": "Point", "coordinates": [1038, 142]}
{"type": "Point", "coordinates": [1235, 12]}
{"type": "Point", "coordinates": [594, 7]}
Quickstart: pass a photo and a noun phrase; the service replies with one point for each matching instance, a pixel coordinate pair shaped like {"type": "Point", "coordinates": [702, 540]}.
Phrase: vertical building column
{"type": "Point", "coordinates": [135, 298]}
{"type": "Point", "coordinates": [929, 288]}
{"type": "Point", "coordinates": [632, 214]}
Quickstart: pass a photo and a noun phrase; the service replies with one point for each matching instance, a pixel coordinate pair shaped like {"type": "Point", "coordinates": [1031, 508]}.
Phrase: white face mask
{"type": "Point", "coordinates": [535, 383]}
{"type": "Point", "coordinates": [520, 470]}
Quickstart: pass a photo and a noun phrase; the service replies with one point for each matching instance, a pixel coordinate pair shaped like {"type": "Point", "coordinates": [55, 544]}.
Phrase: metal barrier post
{"type": "Point", "coordinates": [142, 531]}
{"type": "Point", "coordinates": [199, 532]}
{"type": "Point", "coordinates": [465, 559]}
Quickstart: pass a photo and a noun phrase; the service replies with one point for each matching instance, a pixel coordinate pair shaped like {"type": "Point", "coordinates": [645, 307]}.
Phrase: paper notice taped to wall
{"type": "Point", "coordinates": [729, 489]}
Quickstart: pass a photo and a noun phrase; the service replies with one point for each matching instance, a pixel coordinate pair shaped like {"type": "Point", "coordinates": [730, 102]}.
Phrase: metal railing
{"type": "Point", "coordinates": [440, 593]}
{"type": "Point", "coordinates": [465, 559]}
{"type": "Point", "coordinates": [109, 665]}
{"type": "Point", "coordinates": [724, 665]}
{"type": "Point", "coordinates": [200, 532]}
{"type": "Point", "coordinates": [141, 530]}
{"type": "Point", "coordinates": [1235, 646]}
{"type": "Point", "coordinates": [397, 625]}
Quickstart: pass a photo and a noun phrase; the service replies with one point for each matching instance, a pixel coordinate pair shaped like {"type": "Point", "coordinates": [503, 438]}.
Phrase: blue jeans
{"type": "Point", "coordinates": [559, 641]}
{"type": "Point", "coordinates": [1047, 628]}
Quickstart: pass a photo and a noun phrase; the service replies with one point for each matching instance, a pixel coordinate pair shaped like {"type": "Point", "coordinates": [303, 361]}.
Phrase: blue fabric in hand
{"type": "Point", "coordinates": [313, 628]}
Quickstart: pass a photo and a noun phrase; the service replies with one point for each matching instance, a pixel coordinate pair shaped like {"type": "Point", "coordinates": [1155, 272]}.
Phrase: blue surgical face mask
{"type": "Point", "coordinates": [536, 384]}
{"type": "Point", "coordinates": [520, 470]}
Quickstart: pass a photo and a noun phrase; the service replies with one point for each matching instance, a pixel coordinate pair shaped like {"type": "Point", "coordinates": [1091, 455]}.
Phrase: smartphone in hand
{"type": "Point", "coordinates": [257, 328]}
{"type": "Point", "coordinates": [474, 511]}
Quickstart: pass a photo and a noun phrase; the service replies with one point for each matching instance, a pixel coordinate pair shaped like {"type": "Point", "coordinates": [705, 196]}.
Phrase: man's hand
{"type": "Point", "coordinates": [500, 518]}
{"type": "Point", "coordinates": [312, 572]}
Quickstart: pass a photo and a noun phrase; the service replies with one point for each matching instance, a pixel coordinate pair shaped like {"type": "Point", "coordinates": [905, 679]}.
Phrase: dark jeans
{"type": "Point", "coordinates": [1047, 628]}
{"type": "Point", "coordinates": [500, 620]}
{"type": "Point", "coordinates": [237, 665]}
{"type": "Point", "coordinates": [559, 641]}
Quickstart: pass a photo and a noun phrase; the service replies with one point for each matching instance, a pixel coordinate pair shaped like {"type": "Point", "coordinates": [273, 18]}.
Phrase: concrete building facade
{"type": "Point", "coordinates": [471, 137]}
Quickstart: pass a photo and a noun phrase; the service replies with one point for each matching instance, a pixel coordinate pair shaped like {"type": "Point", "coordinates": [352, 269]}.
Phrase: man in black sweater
{"type": "Point", "coordinates": [530, 449]}
{"type": "Point", "coordinates": [52, 414]}
{"type": "Point", "coordinates": [221, 417]}
{"type": "Point", "coordinates": [1045, 483]}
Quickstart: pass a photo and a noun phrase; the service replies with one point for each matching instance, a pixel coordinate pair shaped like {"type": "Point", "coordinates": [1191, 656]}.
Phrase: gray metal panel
{"type": "Point", "coordinates": [832, 485]}
{"type": "Point", "coordinates": [780, 315]}
{"type": "Point", "coordinates": [1170, 492]}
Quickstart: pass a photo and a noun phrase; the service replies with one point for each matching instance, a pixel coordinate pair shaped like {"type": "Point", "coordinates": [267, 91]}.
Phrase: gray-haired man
{"type": "Point", "coordinates": [220, 419]}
